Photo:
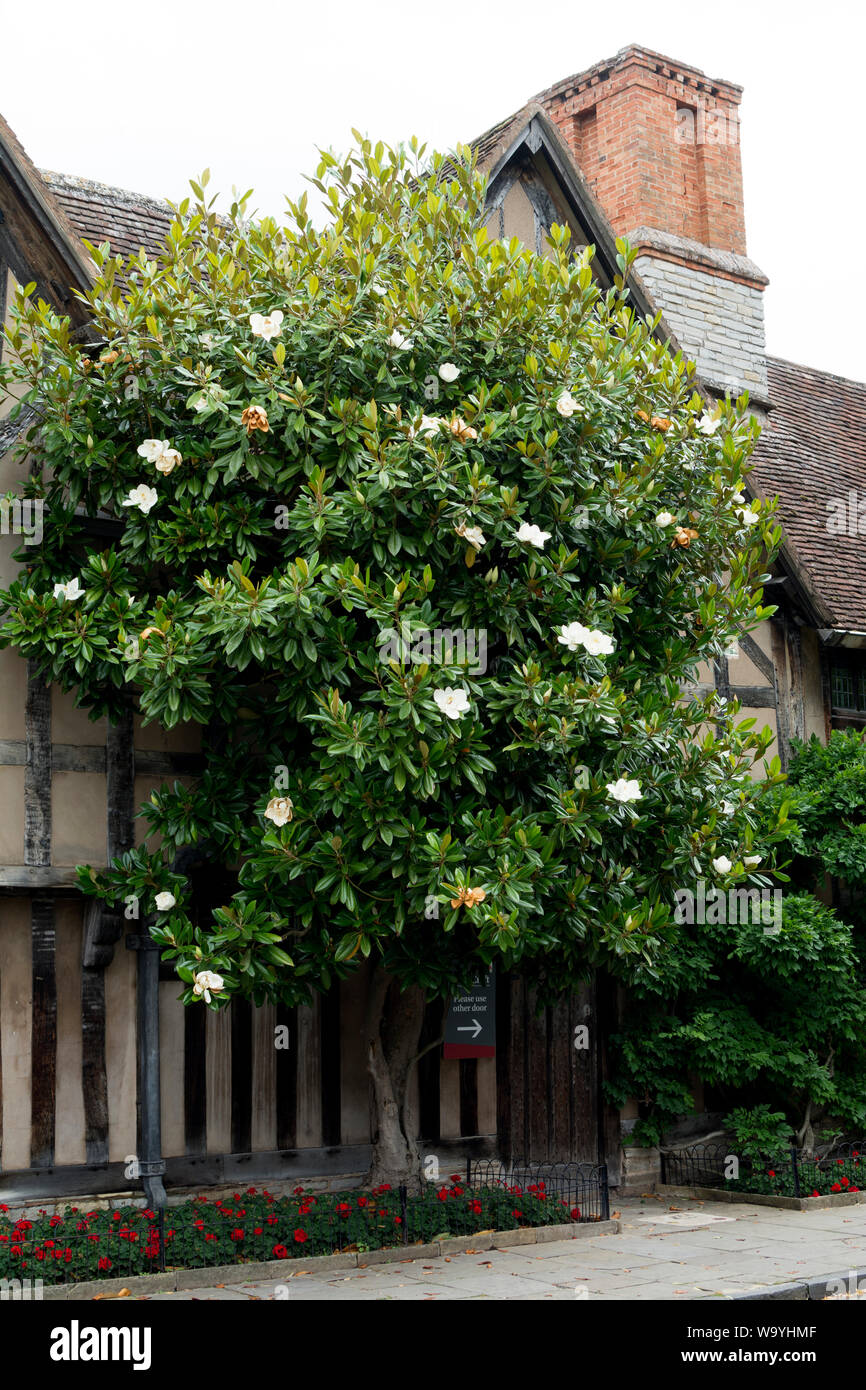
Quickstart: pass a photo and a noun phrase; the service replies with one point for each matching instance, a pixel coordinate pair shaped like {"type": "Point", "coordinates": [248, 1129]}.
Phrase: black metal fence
{"type": "Point", "coordinates": [580, 1190]}
{"type": "Point", "coordinates": [838, 1169]}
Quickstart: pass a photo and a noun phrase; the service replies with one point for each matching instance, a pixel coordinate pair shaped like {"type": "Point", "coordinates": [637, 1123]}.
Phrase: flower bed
{"type": "Point", "coordinates": [815, 1178]}
{"type": "Point", "coordinates": [256, 1225]}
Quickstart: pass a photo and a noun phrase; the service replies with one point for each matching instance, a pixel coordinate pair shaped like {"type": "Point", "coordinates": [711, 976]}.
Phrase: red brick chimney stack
{"type": "Point", "coordinates": [659, 144]}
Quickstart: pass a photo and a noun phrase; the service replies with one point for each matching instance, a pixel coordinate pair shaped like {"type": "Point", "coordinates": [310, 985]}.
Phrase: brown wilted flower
{"type": "Point", "coordinates": [255, 417]}
{"type": "Point", "coordinates": [461, 430]}
{"type": "Point", "coordinates": [148, 632]}
{"type": "Point", "coordinates": [471, 897]}
{"type": "Point", "coordinates": [109, 357]}
{"type": "Point", "coordinates": [659, 422]}
{"type": "Point", "coordinates": [684, 536]}
{"type": "Point", "coordinates": [642, 415]}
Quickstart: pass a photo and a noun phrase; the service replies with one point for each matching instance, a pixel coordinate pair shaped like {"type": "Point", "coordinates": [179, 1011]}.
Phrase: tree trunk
{"type": "Point", "coordinates": [394, 1020]}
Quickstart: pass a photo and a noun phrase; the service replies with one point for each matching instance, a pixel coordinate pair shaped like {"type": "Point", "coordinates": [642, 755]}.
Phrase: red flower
{"type": "Point", "coordinates": [816, 1193]}
{"type": "Point", "coordinates": [343, 1209]}
{"type": "Point", "coordinates": [362, 1201]}
{"type": "Point", "coordinates": [211, 1236]}
{"type": "Point", "coordinates": [237, 1234]}
{"type": "Point", "coordinates": [3, 1206]}
{"type": "Point", "coordinates": [475, 1206]}
{"type": "Point", "coordinates": [39, 1254]}
{"type": "Point", "coordinates": [837, 1187]}
{"type": "Point", "coordinates": [297, 1191]}
{"type": "Point", "coordinates": [251, 1192]}
{"type": "Point", "coordinates": [149, 1214]}
{"type": "Point", "coordinates": [852, 1188]}
{"type": "Point", "coordinates": [116, 1216]}
{"type": "Point", "coordinates": [300, 1237]}
{"type": "Point", "coordinates": [846, 1182]}
{"type": "Point", "coordinates": [104, 1262]}
{"type": "Point", "coordinates": [517, 1213]}
{"type": "Point", "coordinates": [280, 1252]}
{"type": "Point", "coordinates": [398, 1221]}
{"type": "Point", "coordinates": [442, 1194]}
{"type": "Point", "coordinates": [575, 1213]}
{"type": "Point", "coordinates": [840, 1161]}
{"type": "Point", "coordinates": [56, 1221]}
{"type": "Point", "coordinates": [457, 1192]}
{"type": "Point", "coordinates": [16, 1250]}
{"type": "Point", "coordinates": [272, 1220]}
{"type": "Point", "coordinates": [770, 1173]}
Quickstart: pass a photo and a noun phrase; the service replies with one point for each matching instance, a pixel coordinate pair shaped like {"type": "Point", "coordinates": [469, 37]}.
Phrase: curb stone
{"type": "Point", "coordinates": [814, 1289]}
{"type": "Point", "coordinates": [261, 1270]}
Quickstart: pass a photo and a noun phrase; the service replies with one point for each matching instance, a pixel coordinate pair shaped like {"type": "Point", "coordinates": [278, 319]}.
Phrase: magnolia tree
{"type": "Point", "coordinates": [429, 535]}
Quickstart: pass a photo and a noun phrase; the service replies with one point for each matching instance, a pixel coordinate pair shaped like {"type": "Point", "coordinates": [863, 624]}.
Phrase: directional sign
{"type": "Point", "coordinates": [470, 1024]}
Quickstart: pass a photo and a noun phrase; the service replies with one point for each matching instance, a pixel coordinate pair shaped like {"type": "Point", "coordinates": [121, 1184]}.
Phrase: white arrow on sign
{"type": "Point", "coordinates": [468, 1027]}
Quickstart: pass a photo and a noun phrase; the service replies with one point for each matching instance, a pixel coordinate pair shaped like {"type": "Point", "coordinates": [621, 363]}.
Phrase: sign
{"type": "Point", "coordinates": [470, 1024]}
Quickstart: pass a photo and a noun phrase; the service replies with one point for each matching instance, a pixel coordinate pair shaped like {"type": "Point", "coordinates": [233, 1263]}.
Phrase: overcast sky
{"type": "Point", "coordinates": [145, 96]}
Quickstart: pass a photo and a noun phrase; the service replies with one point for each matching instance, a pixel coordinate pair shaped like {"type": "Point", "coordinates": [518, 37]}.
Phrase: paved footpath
{"type": "Point", "coordinates": [668, 1248]}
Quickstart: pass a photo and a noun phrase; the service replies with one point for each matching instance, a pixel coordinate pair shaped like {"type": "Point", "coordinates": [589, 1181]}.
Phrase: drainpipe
{"type": "Point", "coordinates": [151, 1164]}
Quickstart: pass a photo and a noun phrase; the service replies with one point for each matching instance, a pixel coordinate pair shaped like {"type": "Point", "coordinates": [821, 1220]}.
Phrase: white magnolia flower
{"type": "Point", "coordinates": [722, 865]}
{"type": "Point", "coordinates": [398, 341]}
{"type": "Point", "coordinates": [664, 519]}
{"type": "Point", "coordinates": [69, 591]}
{"type": "Point", "coordinates": [280, 810]}
{"type": "Point", "coordinates": [376, 287]}
{"type": "Point", "coordinates": [206, 982]}
{"type": "Point", "coordinates": [452, 703]}
{"type": "Point", "coordinates": [212, 395]}
{"type": "Point", "coordinates": [747, 516]}
{"type": "Point", "coordinates": [752, 860]}
{"type": "Point", "coordinates": [738, 497]}
{"type": "Point", "coordinates": [624, 789]}
{"type": "Point", "coordinates": [143, 497]}
{"type": "Point", "coordinates": [267, 325]}
{"type": "Point", "coordinates": [167, 461]}
{"type": "Point", "coordinates": [206, 340]}
{"type": "Point", "coordinates": [153, 449]}
{"type": "Point", "coordinates": [532, 535]}
{"type": "Point", "coordinates": [566, 404]}
{"type": "Point", "coordinates": [598, 643]}
{"type": "Point", "coordinates": [573, 635]}
{"type": "Point", "coordinates": [165, 901]}
{"type": "Point", "coordinates": [728, 808]}
{"type": "Point", "coordinates": [430, 424]}
{"type": "Point", "coordinates": [473, 534]}
{"type": "Point", "coordinates": [708, 424]}
{"type": "Point", "coordinates": [448, 371]}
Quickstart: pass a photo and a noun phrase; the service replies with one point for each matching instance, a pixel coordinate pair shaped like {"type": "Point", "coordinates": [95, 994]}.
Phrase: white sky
{"type": "Point", "coordinates": [146, 95]}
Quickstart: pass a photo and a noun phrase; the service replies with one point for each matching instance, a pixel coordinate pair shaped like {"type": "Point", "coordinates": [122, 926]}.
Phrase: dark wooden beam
{"type": "Point", "coordinates": [71, 757]}
{"type": "Point", "coordinates": [36, 242]}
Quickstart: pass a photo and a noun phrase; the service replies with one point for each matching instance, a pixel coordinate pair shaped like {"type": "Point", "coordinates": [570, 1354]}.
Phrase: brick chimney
{"type": "Point", "coordinates": [659, 144]}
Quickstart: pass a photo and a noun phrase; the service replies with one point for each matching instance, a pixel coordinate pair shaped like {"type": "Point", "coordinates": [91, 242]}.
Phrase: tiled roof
{"type": "Point", "coordinates": [98, 213]}
{"type": "Point", "coordinates": [812, 453]}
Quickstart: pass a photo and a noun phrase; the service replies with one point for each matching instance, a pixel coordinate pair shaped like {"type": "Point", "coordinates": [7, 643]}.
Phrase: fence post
{"type": "Point", "coordinates": [795, 1168]}
{"type": "Point", "coordinates": [403, 1211]}
{"type": "Point", "coordinates": [663, 1166]}
{"type": "Point", "coordinates": [605, 1193]}
{"type": "Point", "coordinates": [161, 1215]}
{"type": "Point", "coordinates": [468, 1173]}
